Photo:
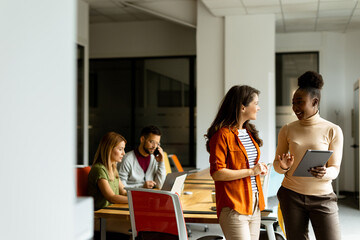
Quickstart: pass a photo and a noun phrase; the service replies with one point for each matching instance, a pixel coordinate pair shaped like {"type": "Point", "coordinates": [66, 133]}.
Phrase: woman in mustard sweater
{"type": "Point", "coordinates": [309, 198]}
{"type": "Point", "coordinates": [233, 144]}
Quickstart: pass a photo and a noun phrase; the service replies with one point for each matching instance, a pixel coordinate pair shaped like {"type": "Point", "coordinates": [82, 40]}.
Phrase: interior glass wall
{"type": "Point", "coordinates": [80, 104]}
{"type": "Point", "coordinates": [127, 94]}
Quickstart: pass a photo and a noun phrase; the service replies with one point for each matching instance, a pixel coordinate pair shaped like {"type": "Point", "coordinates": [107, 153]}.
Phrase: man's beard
{"type": "Point", "coordinates": [146, 150]}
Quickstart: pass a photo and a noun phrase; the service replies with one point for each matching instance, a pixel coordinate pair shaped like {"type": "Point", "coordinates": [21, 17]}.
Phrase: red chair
{"type": "Point", "coordinates": [82, 173]}
{"type": "Point", "coordinates": [156, 214]}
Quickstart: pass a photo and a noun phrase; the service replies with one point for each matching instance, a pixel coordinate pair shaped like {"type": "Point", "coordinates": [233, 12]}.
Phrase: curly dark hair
{"type": "Point", "coordinates": [311, 82]}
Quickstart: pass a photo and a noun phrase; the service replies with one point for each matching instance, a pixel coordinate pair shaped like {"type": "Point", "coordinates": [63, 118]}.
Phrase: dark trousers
{"type": "Point", "coordinates": [297, 209]}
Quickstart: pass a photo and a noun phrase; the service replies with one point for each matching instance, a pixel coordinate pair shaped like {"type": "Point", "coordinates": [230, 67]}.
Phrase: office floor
{"type": "Point", "coordinates": [348, 213]}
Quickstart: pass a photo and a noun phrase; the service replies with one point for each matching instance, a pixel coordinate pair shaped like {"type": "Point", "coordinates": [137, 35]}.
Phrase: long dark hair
{"type": "Point", "coordinates": [229, 112]}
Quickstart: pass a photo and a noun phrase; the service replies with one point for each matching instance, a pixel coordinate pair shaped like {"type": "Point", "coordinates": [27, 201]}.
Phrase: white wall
{"type": "Point", "coordinates": [210, 76]}
{"type": "Point", "coordinates": [141, 39]}
{"type": "Point", "coordinates": [339, 65]}
{"type": "Point", "coordinates": [352, 73]}
{"type": "Point", "coordinates": [249, 60]}
{"type": "Point", "coordinates": [37, 102]}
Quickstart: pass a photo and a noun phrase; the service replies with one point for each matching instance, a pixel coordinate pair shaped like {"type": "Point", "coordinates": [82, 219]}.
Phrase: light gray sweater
{"type": "Point", "coordinates": [133, 176]}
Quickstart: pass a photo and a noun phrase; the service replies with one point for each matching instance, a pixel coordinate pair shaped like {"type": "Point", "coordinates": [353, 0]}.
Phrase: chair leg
{"type": "Point", "coordinates": [269, 226]}
{"type": "Point", "coordinates": [188, 230]}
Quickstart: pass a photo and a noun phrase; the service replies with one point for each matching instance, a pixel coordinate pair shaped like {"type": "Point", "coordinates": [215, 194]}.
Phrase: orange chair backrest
{"type": "Point", "coordinates": [82, 174]}
{"type": "Point", "coordinates": [176, 162]}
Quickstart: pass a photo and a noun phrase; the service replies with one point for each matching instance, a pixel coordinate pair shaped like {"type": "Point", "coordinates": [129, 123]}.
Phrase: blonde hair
{"type": "Point", "coordinates": [103, 152]}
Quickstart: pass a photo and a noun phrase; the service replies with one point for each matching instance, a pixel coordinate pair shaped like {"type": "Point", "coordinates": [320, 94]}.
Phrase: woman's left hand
{"type": "Point", "coordinates": [260, 168]}
{"type": "Point", "coordinates": [318, 172]}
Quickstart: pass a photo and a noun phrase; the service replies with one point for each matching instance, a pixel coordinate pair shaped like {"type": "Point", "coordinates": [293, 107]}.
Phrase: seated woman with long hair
{"type": "Point", "coordinates": [104, 184]}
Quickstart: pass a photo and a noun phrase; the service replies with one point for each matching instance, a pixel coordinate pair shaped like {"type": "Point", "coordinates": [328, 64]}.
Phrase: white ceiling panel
{"type": "Point", "coordinates": [102, 4]}
{"type": "Point", "coordinates": [333, 20]}
{"type": "Point", "coordinates": [93, 12]}
{"type": "Point", "coordinates": [99, 19]}
{"type": "Point", "coordinates": [228, 11]}
{"type": "Point", "coordinates": [259, 3]}
{"type": "Point", "coordinates": [300, 7]}
{"type": "Point", "coordinates": [264, 9]}
{"type": "Point", "coordinates": [299, 28]}
{"type": "Point", "coordinates": [335, 13]}
{"type": "Point", "coordinates": [304, 21]}
{"type": "Point", "coordinates": [111, 11]}
{"type": "Point", "coordinates": [124, 18]}
{"type": "Point", "coordinates": [145, 17]}
{"type": "Point", "coordinates": [355, 19]}
{"type": "Point", "coordinates": [222, 3]}
{"type": "Point", "coordinates": [284, 2]}
{"type": "Point", "coordinates": [354, 26]}
{"type": "Point", "coordinates": [291, 15]}
{"type": "Point", "coordinates": [300, 15]}
{"type": "Point", "coordinates": [279, 16]}
{"type": "Point", "coordinates": [337, 5]}
{"type": "Point", "coordinates": [331, 27]}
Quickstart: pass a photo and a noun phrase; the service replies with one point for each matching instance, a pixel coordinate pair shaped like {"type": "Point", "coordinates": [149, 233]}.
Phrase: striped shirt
{"type": "Point", "coordinates": [251, 152]}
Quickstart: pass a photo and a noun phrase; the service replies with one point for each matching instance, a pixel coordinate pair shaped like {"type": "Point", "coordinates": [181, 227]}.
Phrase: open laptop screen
{"type": "Point", "coordinates": [174, 182]}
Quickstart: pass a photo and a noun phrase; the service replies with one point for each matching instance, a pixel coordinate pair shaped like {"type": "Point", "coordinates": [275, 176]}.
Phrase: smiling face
{"type": "Point", "coordinates": [303, 105]}
{"type": "Point", "coordinates": [249, 112]}
{"type": "Point", "coordinates": [118, 152]}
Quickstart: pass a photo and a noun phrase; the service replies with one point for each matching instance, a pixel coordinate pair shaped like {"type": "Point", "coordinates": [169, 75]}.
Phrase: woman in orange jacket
{"type": "Point", "coordinates": [233, 144]}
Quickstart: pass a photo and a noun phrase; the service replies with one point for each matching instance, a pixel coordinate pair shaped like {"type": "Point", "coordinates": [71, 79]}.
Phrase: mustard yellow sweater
{"type": "Point", "coordinates": [313, 133]}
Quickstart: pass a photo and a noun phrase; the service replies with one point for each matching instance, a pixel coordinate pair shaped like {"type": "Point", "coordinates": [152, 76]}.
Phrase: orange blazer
{"type": "Point", "coordinates": [226, 151]}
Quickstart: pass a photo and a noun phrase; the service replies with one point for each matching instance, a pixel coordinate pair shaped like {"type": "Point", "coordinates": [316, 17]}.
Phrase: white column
{"type": "Point", "coordinates": [210, 76]}
{"type": "Point", "coordinates": [235, 50]}
{"type": "Point", "coordinates": [38, 119]}
{"type": "Point", "coordinates": [250, 60]}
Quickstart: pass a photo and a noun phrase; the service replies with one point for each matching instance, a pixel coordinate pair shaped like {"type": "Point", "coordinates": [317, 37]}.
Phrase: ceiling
{"type": "Point", "coordinates": [291, 15]}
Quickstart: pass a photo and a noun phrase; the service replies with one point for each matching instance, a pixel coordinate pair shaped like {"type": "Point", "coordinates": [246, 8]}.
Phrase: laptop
{"type": "Point", "coordinates": [174, 182]}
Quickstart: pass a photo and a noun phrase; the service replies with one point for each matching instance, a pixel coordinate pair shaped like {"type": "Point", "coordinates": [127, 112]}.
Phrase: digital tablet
{"type": "Point", "coordinates": [312, 158]}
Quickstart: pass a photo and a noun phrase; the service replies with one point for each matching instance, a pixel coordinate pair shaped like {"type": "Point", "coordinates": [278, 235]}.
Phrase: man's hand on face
{"type": "Point", "coordinates": [159, 157]}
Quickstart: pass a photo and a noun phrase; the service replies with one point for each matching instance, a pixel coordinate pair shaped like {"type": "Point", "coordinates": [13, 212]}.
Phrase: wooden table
{"type": "Point", "coordinates": [196, 206]}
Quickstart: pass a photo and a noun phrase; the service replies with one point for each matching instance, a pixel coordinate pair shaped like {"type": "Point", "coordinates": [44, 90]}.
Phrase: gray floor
{"type": "Point", "coordinates": [348, 213]}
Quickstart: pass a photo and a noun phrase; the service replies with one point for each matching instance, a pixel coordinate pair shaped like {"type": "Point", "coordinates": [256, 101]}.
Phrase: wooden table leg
{"type": "Point", "coordinates": [103, 228]}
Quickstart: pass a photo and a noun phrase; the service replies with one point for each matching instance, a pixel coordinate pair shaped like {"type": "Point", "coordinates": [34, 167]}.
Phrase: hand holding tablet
{"type": "Point", "coordinates": [312, 164]}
